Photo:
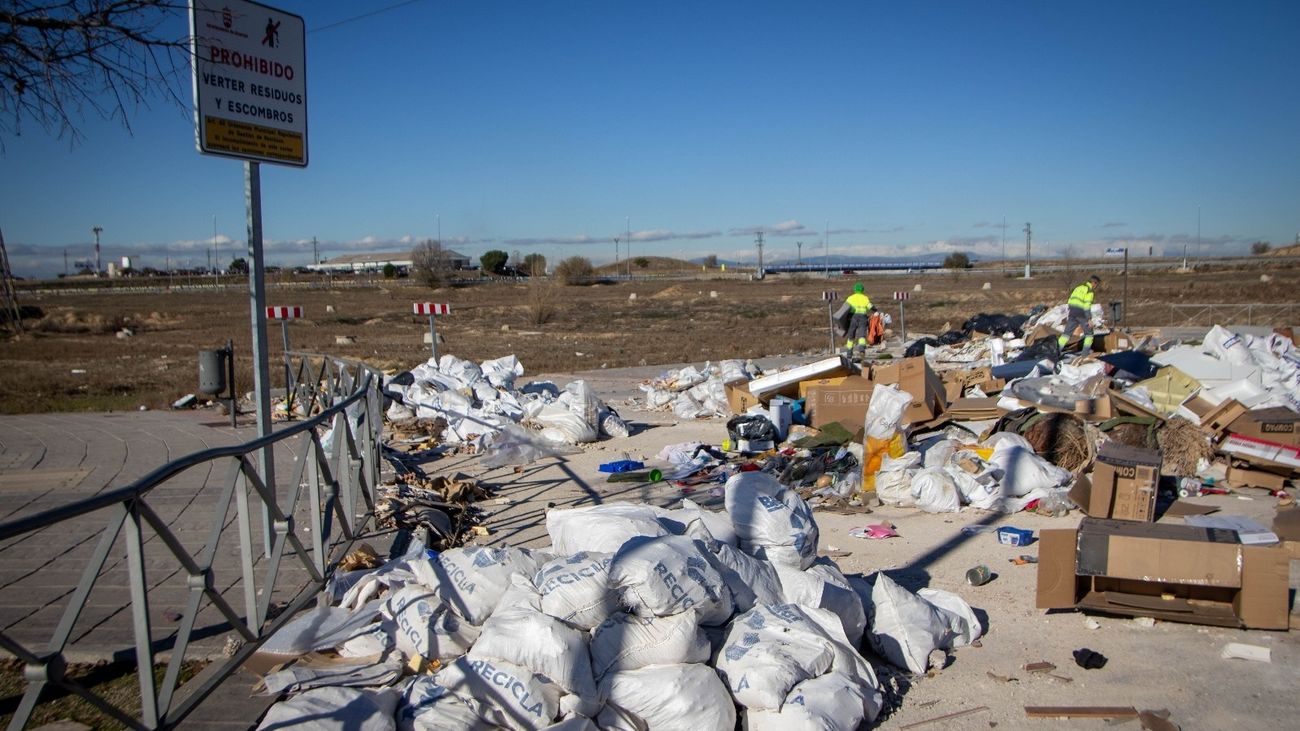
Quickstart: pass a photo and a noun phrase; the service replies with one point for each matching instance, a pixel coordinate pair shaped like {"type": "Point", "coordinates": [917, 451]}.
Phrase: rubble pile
{"type": "Point", "coordinates": [636, 617]}
{"type": "Point", "coordinates": [470, 405]}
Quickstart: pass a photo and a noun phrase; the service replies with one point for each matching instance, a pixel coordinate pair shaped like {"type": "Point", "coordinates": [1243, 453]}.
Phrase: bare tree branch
{"type": "Point", "coordinates": [62, 59]}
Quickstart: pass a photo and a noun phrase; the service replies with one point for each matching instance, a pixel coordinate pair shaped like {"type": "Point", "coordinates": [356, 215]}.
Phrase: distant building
{"type": "Point", "coordinates": [376, 262]}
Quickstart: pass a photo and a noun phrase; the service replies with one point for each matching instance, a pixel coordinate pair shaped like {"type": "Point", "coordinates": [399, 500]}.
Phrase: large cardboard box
{"type": "Point", "coordinates": [1123, 486]}
{"type": "Point", "coordinates": [786, 382]}
{"type": "Point", "coordinates": [1176, 573]}
{"type": "Point", "coordinates": [805, 385]}
{"type": "Point", "coordinates": [914, 376]}
{"type": "Point", "coordinates": [845, 402]}
{"type": "Point", "coordinates": [738, 397]}
{"type": "Point", "coordinates": [1277, 425]}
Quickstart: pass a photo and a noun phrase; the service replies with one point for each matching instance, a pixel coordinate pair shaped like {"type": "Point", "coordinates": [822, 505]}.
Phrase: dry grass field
{"type": "Point", "coordinates": [71, 358]}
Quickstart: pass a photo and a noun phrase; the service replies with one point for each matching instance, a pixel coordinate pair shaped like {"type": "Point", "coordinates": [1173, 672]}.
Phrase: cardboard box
{"type": "Point", "coordinates": [1214, 418]}
{"type": "Point", "coordinates": [738, 397]}
{"type": "Point", "coordinates": [974, 409]}
{"type": "Point", "coordinates": [1172, 572]}
{"type": "Point", "coordinates": [1245, 477]}
{"type": "Point", "coordinates": [1123, 486]}
{"type": "Point", "coordinates": [1113, 341]}
{"type": "Point", "coordinates": [845, 402]}
{"type": "Point", "coordinates": [914, 376]}
{"type": "Point", "coordinates": [786, 383]}
{"type": "Point", "coordinates": [1277, 425]}
{"type": "Point", "coordinates": [805, 385]}
{"type": "Point", "coordinates": [1261, 451]}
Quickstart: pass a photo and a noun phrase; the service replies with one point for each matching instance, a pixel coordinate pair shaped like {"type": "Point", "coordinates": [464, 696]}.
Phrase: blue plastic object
{"type": "Point", "coordinates": [1015, 536]}
{"type": "Point", "coordinates": [623, 465]}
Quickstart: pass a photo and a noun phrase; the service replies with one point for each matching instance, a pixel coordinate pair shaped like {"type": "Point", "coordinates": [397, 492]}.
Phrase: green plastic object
{"type": "Point", "coordinates": [651, 475]}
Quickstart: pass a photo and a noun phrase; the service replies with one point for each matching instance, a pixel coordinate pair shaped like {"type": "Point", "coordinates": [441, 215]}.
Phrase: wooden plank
{"type": "Point", "coordinates": [955, 714]}
{"type": "Point", "coordinates": [1081, 711]}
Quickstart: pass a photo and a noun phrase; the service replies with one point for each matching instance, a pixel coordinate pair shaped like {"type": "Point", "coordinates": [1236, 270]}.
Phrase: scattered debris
{"type": "Point", "coordinates": [1089, 659]}
{"type": "Point", "coordinates": [945, 717]}
{"type": "Point", "coordinates": [1081, 712]}
{"type": "Point", "coordinates": [1240, 651]}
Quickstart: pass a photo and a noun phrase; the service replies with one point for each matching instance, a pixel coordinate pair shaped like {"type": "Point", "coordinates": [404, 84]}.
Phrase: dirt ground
{"type": "Point", "coordinates": [72, 357]}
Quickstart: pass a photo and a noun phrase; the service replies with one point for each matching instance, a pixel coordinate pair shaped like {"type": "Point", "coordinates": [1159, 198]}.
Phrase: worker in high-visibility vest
{"type": "Point", "coordinates": [860, 305]}
{"type": "Point", "coordinates": [1080, 313]}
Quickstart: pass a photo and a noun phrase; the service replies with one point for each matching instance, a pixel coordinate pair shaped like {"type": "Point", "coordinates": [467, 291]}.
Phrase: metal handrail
{"type": "Point", "coordinates": [334, 478]}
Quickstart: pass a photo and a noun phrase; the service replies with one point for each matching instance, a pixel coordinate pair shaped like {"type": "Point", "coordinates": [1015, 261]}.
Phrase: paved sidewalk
{"type": "Point", "coordinates": [52, 460]}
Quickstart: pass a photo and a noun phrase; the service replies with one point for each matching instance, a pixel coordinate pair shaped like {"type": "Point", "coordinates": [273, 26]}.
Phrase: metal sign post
{"type": "Point", "coordinates": [900, 297]}
{"type": "Point", "coordinates": [829, 297]}
{"type": "Point", "coordinates": [284, 315]}
{"type": "Point", "coordinates": [431, 309]}
{"type": "Point", "coordinates": [250, 103]}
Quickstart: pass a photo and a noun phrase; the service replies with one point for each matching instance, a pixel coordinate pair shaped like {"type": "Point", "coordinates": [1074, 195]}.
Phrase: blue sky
{"type": "Point", "coordinates": [907, 127]}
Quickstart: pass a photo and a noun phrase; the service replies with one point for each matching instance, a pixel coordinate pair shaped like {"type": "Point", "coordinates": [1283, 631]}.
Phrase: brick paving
{"type": "Point", "coordinates": [53, 460]}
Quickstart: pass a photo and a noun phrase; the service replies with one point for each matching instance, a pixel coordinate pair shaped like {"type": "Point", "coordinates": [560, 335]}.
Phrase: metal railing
{"type": "Point", "coordinates": [1249, 314]}
{"type": "Point", "coordinates": [336, 467]}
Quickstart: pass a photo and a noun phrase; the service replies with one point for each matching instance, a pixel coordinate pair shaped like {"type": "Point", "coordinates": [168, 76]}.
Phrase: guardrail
{"type": "Point", "coordinates": [1249, 314]}
{"type": "Point", "coordinates": [313, 517]}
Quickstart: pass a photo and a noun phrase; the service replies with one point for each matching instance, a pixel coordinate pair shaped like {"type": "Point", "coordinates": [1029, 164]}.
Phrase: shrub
{"type": "Point", "coordinates": [1260, 247]}
{"type": "Point", "coordinates": [541, 301]}
{"type": "Point", "coordinates": [390, 270]}
{"type": "Point", "coordinates": [956, 260]}
{"type": "Point", "coordinates": [575, 270]}
{"type": "Point", "coordinates": [494, 261]}
{"type": "Point", "coordinates": [431, 264]}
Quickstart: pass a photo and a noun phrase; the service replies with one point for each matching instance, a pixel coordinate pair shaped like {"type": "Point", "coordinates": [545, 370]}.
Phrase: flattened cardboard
{"type": "Point", "coordinates": [1260, 451]}
{"type": "Point", "coordinates": [845, 402]}
{"type": "Point", "coordinates": [1177, 573]}
{"type": "Point", "coordinates": [1279, 425]}
{"type": "Point", "coordinates": [1243, 477]}
{"type": "Point", "coordinates": [974, 409]}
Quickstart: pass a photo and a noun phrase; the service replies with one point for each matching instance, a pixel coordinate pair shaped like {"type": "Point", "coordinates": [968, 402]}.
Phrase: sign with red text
{"type": "Point", "coordinates": [250, 81]}
{"type": "Point", "coordinates": [283, 313]}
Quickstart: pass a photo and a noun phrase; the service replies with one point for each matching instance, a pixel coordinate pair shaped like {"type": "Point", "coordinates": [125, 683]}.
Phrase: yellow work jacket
{"type": "Point", "coordinates": [1081, 297]}
{"type": "Point", "coordinates": [859, 303]}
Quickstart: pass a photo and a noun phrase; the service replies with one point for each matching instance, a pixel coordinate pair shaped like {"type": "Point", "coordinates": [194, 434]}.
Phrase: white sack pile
{"type": "Point", "coordinates": [479, 402]}
{"type": "Point", "coordinates": [696, 394]}
{"type": "Point", "coordinates": [639, 619]}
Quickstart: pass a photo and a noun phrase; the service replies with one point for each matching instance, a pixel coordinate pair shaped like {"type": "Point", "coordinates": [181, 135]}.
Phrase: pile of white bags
{"type": "Point", "coordinates": [692, 393]}
{"type": "Point", "coordinates": [639, 618]}
{"type": "Point", "coordinates": [479, 401]}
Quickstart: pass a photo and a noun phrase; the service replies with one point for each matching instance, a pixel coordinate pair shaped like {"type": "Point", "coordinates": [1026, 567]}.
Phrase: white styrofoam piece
{"type": "Point", "coordinates": [776, 381]}
{"type": "Point", "coordinates": [1206, 369]}
{"type": "Point", "coordinates": [1243, 651]}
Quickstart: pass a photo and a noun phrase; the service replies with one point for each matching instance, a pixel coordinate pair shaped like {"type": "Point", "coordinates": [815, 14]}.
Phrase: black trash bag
{"type": "Point", "coordinates": [1045, 347]}
{"type": "Point", "coordinates": [752, 427]}
{"type": "Point", "coordinates": [996, 324]}
{"type": "Point", "coordinates": [917, 348]}
{"type": "Point", "coordinates": [952, 337]}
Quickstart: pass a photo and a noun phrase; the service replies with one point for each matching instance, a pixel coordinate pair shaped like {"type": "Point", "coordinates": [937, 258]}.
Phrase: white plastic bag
{"type": "Point", "coordinates": [831, 702]}
{"type": "Point", "coordinates": [687, 697]}
{"type": "Point", "coordinates": [669, 575]}
{"type": "Point", "coordinates": [906, 628]}
{"type": "Point", "coordinates": [823, 585]}
{"type": "Point", "coordinates": [935, 491]}
{"type": "Point", "coordinates": [427, 706]}
{"type": "Point", "coordinates": [894, 480]}
{"type": "Point", "coordinates": [515, 445]}
{"type": "Point", "coordinates": [543, 644]}
{"type": "Point", "coordinates": [769, 650]}
{"type": "Point", "coordinates": [561, 425]}
{"type": "Point", "coordinates": [885, 412]}
{"type": "Point", "coordinates": [513, 696]}
{"type": "Point", "coordinates": [471, 580]}
{"type": "Point", "coordinates": [334, 709]}
{"type": "Point", "coordinates": [771, 521]}
{"type": "Point", "coordinates": [717, 522]}
{"type": "Point", "coordinates": [1023, 471]}
{"type": "Point", "coordinates": [628, 642]}
{"type": "Point", "coordinates": [576, 589]}
{"type": "Point", "coordinates": [602, 528]}
{"type": "Point", "coordinates": [423, 626]}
